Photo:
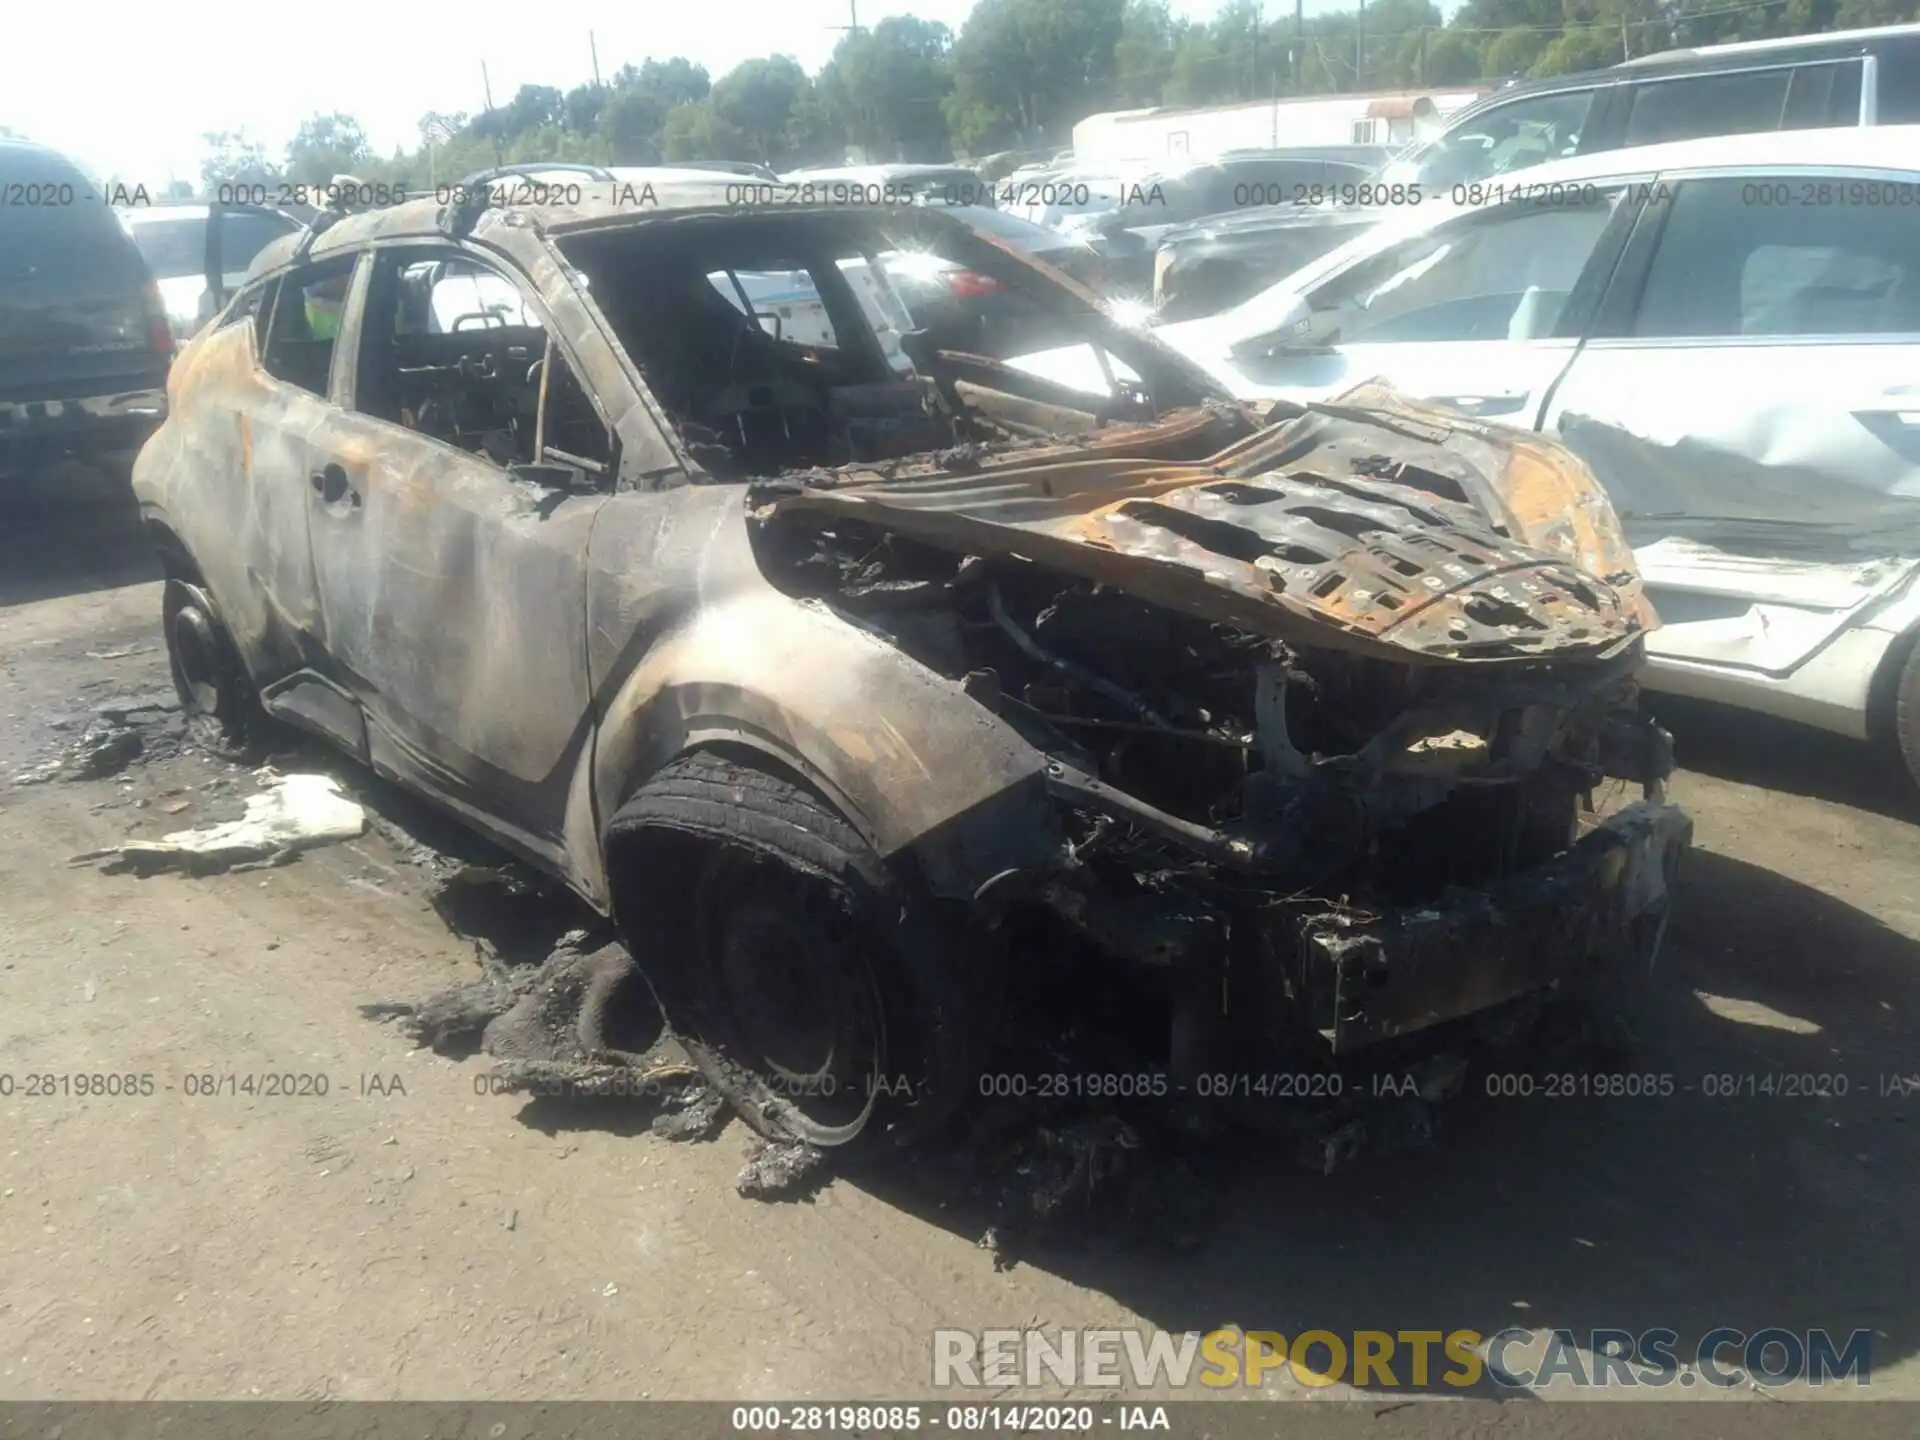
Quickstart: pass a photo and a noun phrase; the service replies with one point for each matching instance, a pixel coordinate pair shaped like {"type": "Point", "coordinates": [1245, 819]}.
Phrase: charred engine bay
{"type": "Point", "coordinates": [1279, 759]}
{"type": "Point", "coordinates": [1238, 807]}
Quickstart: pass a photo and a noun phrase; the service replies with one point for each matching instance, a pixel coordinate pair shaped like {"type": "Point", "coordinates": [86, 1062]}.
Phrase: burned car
{"type": "Point", "coordinates": [853, 695]}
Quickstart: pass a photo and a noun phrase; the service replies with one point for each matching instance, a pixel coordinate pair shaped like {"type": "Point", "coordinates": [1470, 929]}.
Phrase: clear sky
{"type": "Point", "coordinates": [130, 90]}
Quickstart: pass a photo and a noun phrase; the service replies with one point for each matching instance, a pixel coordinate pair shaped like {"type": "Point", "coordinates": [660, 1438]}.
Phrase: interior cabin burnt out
{"type": "Point", "coordinates": [785, 338]}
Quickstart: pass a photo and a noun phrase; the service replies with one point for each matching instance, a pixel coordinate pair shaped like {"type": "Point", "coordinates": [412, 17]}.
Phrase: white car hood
{"type": "Point", "coordinates": [1203, 341]}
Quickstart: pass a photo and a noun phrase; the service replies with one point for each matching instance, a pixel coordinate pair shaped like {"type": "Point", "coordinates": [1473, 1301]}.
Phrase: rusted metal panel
{"type": "Point", "coordinates": [1325, 558]}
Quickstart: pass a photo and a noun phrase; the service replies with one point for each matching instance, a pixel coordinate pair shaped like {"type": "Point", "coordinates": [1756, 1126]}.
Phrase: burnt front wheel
{"type": "Point", "coordinates": [221, 709]}
{"type": "Point", "coordinates": [814, 986]}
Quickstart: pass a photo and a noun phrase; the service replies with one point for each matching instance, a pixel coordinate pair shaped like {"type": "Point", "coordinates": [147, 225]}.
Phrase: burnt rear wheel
{"type": "Point", "coordinates": [814, 986]}
{"type": "Point", "coordinates": [222, 711]}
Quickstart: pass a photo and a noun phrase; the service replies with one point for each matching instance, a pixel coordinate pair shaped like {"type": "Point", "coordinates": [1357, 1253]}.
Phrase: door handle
{"type": "Point", "coordinates": [331, 485]}
{"type": "Point", "coordinates": [1484, 405]}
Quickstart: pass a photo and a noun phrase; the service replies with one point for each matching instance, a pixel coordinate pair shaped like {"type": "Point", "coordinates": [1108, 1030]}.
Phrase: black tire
{"type": "Point", "coordinates": [1906, 713]}
{"type": "Point", "coordinates": [814, 987]}
{"type": "Point", "coordinates": [221, 708]}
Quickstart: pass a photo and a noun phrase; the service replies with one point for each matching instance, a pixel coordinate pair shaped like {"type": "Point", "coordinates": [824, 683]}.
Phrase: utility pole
{"type": "Point", "coordinates": [1275, 87]}
{"type": "Point", "coordinates": [1359, 44]}
{"type": "Point", "coordinates": [1253, 87]}
{"type": "Point", "coordinates": [852, 27]}
{"type": "Point", "coordinates": [606, 140]}
{"type": "Point", "coordinates": [1299, 47]}
{"type": "Point", "coordinates": [1624, 55]}
{"type": "Point", "coordinates": [486, 89]}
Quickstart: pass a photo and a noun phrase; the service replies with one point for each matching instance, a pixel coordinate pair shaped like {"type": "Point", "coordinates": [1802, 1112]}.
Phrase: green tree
{"type": "Point", "coordinates": [1143, 55]}
{"type": "Point", "coordinates": [1514, 51]}
{"type": "Point", "coordinates": [235, 157]}
{"type": "Point", "coordinates": [1451, 58]}
{"type": "Point", "coordinates": [757, 101]}
{"type": "Point", "coordinates": [325, 146]}
{"type": "Point", "coordinates": [1858, 14]}
{"type": "Point", "coordinates": [1586, 47]}
{"type": "Point", "coordinates": [882, 90]}
{"type": "Point", "coordinates": [582, 108]}
{"type": "Point", "coordinates": [634, 116]}
{"type": "Point", "coordinates": [677, 81]}
{"type": "Point", "coordinates": [695, 132]}
{"type": "Point", "coordinates": [1026, 70]}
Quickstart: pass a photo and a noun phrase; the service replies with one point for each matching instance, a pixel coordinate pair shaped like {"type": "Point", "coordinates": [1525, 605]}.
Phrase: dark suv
{"type": "Point", "coordinates": [84, 343]}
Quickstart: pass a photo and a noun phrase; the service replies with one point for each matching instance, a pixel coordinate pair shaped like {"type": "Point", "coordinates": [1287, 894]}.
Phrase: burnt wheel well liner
{"type": "Point", "coordinates": [175, 558]}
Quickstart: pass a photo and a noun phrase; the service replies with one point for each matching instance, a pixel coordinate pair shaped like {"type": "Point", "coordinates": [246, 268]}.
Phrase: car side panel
{"type": "Point", "coordinates": [453, 600]}
{"type": "Point", "coordinates": [227, 473]}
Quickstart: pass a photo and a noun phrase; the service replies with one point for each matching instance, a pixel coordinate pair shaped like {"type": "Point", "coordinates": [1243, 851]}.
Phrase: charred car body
{"type": "Point", "coordinates": [834, 686]}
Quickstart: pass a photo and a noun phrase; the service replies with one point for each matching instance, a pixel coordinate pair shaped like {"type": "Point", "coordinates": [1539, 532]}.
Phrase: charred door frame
{"type": "Point", "coordinates": [446, 743]}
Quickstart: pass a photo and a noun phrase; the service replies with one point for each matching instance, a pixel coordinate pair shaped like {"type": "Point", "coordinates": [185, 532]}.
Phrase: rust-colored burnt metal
{"type": "Point", "coordinates": [1267, 535]}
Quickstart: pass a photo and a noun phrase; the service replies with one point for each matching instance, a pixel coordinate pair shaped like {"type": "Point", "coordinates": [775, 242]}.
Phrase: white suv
{"type": "Point", "coordinates": [1727, 330]}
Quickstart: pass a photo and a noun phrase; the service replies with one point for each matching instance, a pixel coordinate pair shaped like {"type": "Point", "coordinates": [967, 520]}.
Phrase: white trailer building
{"type": "Point", "coordinates": [1158, 135]}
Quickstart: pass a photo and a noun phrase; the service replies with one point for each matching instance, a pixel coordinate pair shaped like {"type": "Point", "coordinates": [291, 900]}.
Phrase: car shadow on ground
{"type": "Point", "coordinates": [1689, 1212]}
{"type": "Point", "coordinates": [1774, 754]}
{"type": "Point", "coordinates": [70, 534]}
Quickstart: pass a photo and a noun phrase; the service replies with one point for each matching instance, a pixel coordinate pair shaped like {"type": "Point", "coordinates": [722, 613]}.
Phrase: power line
{"type": "Point", "coordinates": [1672, 22]}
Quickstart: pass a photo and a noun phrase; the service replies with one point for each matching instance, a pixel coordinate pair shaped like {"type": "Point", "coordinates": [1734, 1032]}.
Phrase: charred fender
{"type": "Point", "coordinates": [926, 775]}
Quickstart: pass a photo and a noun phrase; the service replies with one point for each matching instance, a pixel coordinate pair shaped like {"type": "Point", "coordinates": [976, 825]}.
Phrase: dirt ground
{"type": "Point", "coordinates": [403, 1236]}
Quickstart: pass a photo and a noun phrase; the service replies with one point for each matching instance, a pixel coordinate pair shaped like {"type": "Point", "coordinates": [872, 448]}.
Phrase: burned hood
{"type": "Point", "coordinates": [1368, 524]}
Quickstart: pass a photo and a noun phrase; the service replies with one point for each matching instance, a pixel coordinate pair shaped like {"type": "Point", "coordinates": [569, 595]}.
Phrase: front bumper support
{"type": "Point", "coordinates": [1370, 980]}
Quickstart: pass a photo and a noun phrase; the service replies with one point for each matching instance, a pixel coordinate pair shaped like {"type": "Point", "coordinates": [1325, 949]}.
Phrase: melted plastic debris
{"type": "Point", "coordinates": [779, 1169]}
{"type": "Point", "coordinates": [294, 813]}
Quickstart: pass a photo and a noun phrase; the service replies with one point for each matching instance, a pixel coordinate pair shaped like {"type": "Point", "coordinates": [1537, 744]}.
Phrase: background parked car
{"type": "Point", "coordinates": [962, 309]}
{"type": "Point", "coordinates": [1243, 183]}
{"type": "Point", "coordinates": [749, 169]}
{"type": "Point", "coordinates": [1862, 77]}
{"type": "Point", "coordinates": [959, 308]}
{"type": "Point", "coordinates": [889, 184]}
{"type": "Point", "coordinates": [175, 240]}
{"type": "Point", "coordinates": [1215, 263]}
{"type": "Point", "coordinates": [84, 341]}
{"type": "Point", "coordinates": [1727, 330]}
